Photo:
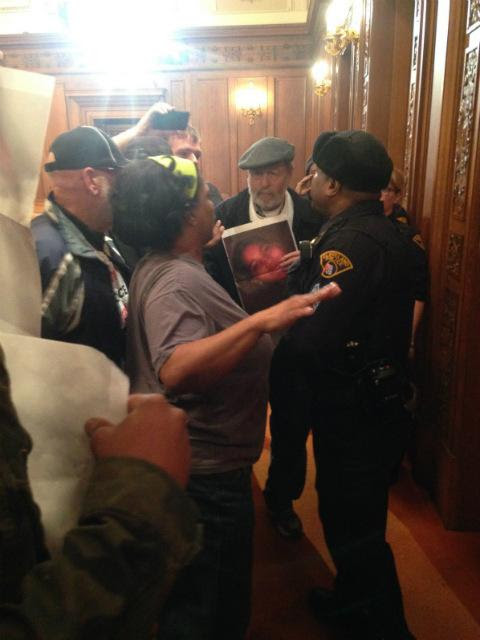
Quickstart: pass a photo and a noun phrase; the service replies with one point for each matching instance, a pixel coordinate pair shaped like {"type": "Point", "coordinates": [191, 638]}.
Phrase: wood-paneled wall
{"type": "Point", "coordinates": [205, 85]}
{"type": "Point", "coordinates": [412, 80]}
{"type": "Point", "coordinates": [210, 98]}
{"type": "Point", "coordinates": [448, 159]}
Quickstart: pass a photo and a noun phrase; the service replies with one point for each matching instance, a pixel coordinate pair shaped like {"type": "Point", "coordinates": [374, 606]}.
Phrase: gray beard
{"type": "Point", "coordinates": [260, 209]}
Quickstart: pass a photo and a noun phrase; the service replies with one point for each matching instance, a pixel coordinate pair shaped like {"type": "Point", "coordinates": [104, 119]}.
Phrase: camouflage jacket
{"type": "Point", "coordinates": [84, 283]}
{"type": "Point", "coordinates": [136, 531]}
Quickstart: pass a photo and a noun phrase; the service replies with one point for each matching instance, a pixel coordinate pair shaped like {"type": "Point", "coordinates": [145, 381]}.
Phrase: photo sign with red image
{"type": "Point", "coordinates": [254, 252]}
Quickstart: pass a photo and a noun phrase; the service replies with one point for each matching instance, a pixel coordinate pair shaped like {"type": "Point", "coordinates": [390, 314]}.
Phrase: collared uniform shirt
{"type": "Point", "coordinates": [368, 258]}
{"type": "Point", "coordinates": [400, 219]}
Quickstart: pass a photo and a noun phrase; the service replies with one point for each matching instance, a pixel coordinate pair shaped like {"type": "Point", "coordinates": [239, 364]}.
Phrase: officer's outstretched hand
{"type": "Point", "coordinates": [285, 313]}
{"type": "Point", "coordinates": [153, 431]}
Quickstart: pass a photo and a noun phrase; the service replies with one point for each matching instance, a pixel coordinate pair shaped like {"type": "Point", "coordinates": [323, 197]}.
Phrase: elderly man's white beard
{"type": "Point", "coordinates": [271, 207]}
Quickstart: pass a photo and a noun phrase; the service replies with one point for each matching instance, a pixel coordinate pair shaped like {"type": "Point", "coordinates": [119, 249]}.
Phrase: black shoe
{"type": "Point", "coordinates": [323, 603]}
{"type": "Point", "coordinates": [326, 605]}
{"type": "Point", "coordinates": [388, 636]}
{"type": "Point", "coordinates": [358, 620]}
{"type": "Point", "coordinates": [284, 519]}
{"type": "Point", "coordinates": [405, 635]}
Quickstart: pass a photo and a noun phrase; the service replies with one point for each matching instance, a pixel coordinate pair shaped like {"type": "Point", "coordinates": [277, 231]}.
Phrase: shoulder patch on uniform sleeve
{"type": "Point", "coordinates": [402, 219]}
{"type": "Point", "coordinates": [333, 263]}
{"type": "Point", "coordinates": [417, 238]}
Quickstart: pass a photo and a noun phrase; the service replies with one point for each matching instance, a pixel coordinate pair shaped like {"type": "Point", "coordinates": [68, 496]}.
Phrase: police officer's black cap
{"type": "Point", "coordinates": [355, 158]}
{"type": "Point", "coordinates": [84, 147]}
{"type": "Point", "coordinates": [265, 152]}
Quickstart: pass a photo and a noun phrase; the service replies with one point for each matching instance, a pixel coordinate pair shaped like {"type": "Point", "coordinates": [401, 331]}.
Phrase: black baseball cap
{"type": "Point", "coordinates": [355, 158]}
{"type": "Point", "coordinates": [84, 147]}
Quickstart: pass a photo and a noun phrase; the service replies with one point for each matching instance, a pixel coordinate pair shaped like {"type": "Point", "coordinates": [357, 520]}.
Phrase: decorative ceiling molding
{"type": "Point", "coordinates": [315, 14]}
{"type": "Point", "coordinates": [14, 5]}
{"type": "Point", "coordinates": [289, 45]}
{"type": "Point", "coordinates": [29, 16]}
{"type": "Point", "coordinates": [225, 55]}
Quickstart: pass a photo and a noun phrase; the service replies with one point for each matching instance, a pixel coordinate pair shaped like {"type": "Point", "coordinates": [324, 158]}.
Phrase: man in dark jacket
{"type": "Point", "coordinates": [392, 197]}
{"type": "Point", "coordinates": [84, 277]}
{"type": "Point", "coordinates": [269, 165]}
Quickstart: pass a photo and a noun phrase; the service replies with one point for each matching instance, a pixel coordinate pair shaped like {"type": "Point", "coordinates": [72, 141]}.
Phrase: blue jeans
{"type": "Point", "coordinates": [211, 597]}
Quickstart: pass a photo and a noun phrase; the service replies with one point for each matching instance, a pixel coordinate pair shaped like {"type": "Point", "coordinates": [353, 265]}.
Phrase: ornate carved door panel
{"type": "Point", "coordinates": [448, 160]}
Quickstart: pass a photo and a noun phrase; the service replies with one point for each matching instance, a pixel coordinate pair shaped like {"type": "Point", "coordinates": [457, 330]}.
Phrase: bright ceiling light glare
{"type": "Point", "coordinates": [321, 77]}
{"type": "Point", "coordinates": [128, 37]}
{"type": "Point", "coordinates": [343, 19]}
{"type": "Point", "coordinates": [251, 100]}
{"type": "Point", "coordinates": [357, 16]}
{"type": "Point", "coordinates": [250, 97]}
{"type": "Point", "coordinates": [320, 70]}
{"type": "Point", "coordinates": [336, 14]}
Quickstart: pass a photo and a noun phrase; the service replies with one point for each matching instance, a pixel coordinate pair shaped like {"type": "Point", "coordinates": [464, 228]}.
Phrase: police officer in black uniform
{"type": "Point", "coordinates": [352, 355]}
{"type": "Point", "coordinates": [392, 197]}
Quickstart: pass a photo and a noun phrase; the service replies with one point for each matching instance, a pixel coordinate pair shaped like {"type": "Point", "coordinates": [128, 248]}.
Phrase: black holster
{"type": "Point", "coordinates": [381, 387]}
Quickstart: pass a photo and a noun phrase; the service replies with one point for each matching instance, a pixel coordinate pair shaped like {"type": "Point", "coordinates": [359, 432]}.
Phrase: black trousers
{"type": "Point", "coordinates": [290, 423]}
{"type": "Point", "coordinates": [355, 452]}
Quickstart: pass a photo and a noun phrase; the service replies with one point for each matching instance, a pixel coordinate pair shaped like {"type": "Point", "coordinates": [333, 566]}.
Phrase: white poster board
{"type": "Point", "coordinates": [21, 290]}
{"type": "Point", "coordinates": [55, 388]}
{"type": "Point", "coordinates": [254, 251]}
{"type": "Point", "coordinates": [25, 100]}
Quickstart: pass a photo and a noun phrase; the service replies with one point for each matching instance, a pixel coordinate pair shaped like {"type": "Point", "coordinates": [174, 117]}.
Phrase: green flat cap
{"type": "Point", "coordinates": [265, 152]}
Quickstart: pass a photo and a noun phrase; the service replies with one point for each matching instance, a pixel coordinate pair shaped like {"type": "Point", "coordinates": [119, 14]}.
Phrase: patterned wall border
{"type": "Point", "coordinates": [464, 133]}
{"type": "Point", "coordinates": [201, 56]}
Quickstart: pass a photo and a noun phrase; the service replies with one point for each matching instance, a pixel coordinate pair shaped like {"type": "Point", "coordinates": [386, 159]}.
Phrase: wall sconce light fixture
{"type": "Point", "coordinates": [250, 101]}
{"type": "Point", "coordinates": [343, 18]}
{"type": "Point", "coordinates": [321, 77]}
